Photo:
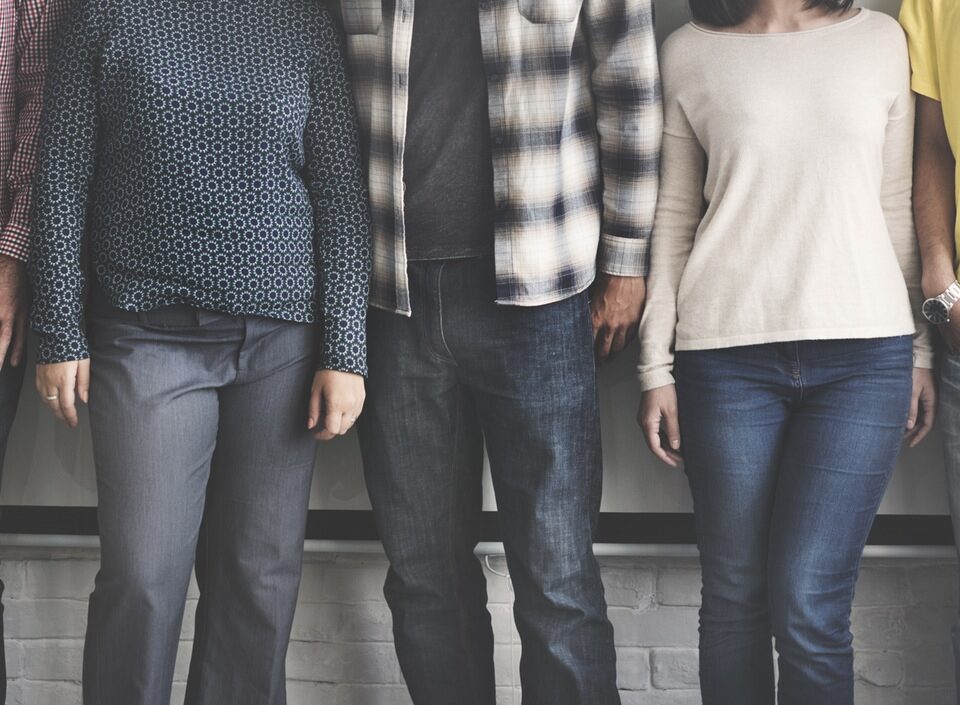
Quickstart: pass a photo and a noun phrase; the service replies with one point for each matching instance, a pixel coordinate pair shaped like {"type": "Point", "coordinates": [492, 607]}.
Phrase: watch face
{"type": "Point", "coordinates": [936, 311]}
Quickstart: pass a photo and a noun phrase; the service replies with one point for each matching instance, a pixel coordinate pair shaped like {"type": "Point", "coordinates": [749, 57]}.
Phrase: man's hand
{"type": "Point", "coordinates": [336, 401]}
{"type": "Point", "coordinates": [59, 386]}
{"type": "Point", "coordinates": [13, 310]}
{"type": "Point", "coordinates": [616, 308]}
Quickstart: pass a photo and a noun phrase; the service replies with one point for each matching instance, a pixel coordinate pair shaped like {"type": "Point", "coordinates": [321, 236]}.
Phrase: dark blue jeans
{"type": "Point", "coordinates": [788, 449]}
{"type": "Point", "coordinates": [462, 371]}
{"type": "Point", "coordinates": [11, 381]}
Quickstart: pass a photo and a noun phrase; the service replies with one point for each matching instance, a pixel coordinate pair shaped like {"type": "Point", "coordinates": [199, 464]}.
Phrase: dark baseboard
{"type": "Point", "coordinates": [627, 528]}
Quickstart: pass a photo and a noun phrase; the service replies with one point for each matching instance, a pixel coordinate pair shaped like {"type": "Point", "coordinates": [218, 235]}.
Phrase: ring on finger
{"type": "Point", "coordinates": [53, 397]}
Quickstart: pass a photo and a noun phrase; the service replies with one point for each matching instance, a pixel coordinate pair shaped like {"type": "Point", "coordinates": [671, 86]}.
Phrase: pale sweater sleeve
{"type": "Point", "coordinates": [679, 212]}
{"type": "Point", "coordinates": [897, 202]}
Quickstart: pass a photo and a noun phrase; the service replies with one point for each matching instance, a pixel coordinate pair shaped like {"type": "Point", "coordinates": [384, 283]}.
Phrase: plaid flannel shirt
{"type": "Point", "coordinates": [575, 118]}
{"type": "Point", "coordinates": [27, 31]}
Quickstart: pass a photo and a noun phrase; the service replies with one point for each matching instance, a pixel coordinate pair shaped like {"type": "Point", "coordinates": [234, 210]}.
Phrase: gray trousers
{"type": "Point", "coordinates": [202, 452]}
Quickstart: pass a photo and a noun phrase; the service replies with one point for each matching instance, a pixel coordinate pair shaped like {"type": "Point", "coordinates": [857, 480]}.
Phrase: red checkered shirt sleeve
{"type": "Point", "coordinates": [37, 22]}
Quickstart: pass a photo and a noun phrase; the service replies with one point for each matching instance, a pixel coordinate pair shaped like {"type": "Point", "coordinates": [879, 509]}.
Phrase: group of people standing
{"type": "Point", "coordinates": [208, 194]}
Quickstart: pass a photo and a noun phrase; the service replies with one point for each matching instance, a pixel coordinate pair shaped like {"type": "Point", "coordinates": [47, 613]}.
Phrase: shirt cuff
{"type": "Point", "coordinates": [623, 256]}
{"type": "Point", "coordinates": [345, 347]}
{"type": "Point", "coordinates": [60, 347]}
{"type": "Point", "coordinates": [15, 241]}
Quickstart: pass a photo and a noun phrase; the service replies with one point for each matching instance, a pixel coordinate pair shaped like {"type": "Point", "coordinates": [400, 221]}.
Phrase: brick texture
{"type": "Point", "coordinates": [341, 653]}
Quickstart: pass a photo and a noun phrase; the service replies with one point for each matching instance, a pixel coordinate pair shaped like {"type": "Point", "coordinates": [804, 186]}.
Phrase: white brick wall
{"type": "Point", "coordinates": [342, 636]}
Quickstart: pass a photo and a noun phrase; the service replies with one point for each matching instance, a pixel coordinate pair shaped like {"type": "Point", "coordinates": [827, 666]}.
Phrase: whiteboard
{"type": "Point", "coordinates": [48, 464]}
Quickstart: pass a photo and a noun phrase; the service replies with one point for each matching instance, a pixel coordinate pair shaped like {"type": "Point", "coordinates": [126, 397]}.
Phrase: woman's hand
{"type": "Point", "coordinates": [923, 406]}
{"type": "Point", "coordinates": [658, 419]}
{"type": "Point", "coordinates": [336, 401]}
{"type": "Point", "coordinates": [59, 386]}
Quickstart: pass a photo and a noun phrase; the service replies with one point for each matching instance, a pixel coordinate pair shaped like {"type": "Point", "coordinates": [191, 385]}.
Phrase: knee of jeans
{"type": "Point", "coordinates": [437, 578]}
{"type": "Point", "coordinates": [735, 601]}
{"type": "Point", "coordinates": [811, 619]}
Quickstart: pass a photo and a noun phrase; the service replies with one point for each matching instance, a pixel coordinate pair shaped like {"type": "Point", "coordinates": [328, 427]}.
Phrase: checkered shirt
{"type": "Point", "coordinates": [27, 32]}
{"type": "Point", "coordinates": [575, 116]}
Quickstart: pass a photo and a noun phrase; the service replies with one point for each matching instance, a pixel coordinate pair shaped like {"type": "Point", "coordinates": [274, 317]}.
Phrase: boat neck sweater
{"type": "Point", "coordinates": [785, 207]}
{"type": "Point", "coordinates": [202, 152]}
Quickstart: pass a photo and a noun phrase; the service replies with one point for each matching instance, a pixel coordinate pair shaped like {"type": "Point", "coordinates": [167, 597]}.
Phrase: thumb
{"type": "Point", "coordinates": [313, 411]}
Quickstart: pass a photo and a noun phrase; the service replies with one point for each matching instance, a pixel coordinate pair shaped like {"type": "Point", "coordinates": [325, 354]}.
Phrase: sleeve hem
{"type": "Point", "coordinates": [15, 241]}
{"type": "Point", "coordinates": [925, 88]}
{"type": "Point", "coordinates": [54, 348]}
{"type": "Point", "coordinates": [624, 257]}
{"type": "Point", "coordinates": [660, 377]}
{"type": "Point", "coordinates": [924, 359]}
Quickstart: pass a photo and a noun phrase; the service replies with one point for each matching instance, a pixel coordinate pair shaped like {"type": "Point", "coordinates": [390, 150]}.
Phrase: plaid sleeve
{"type": "Point", "coordinates": [626, 87]}
{"type": "Point", "coordinates": [37, 24]}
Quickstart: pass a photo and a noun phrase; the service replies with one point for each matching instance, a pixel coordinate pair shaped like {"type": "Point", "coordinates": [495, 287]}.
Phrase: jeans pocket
{"type": "Point", "coordinates": [362, 16]}
{"type": "Point", "coordinates": [550, 11]}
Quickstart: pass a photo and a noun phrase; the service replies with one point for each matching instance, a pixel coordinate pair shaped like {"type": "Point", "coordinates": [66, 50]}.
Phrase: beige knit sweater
{"type": "Point", "coordinates": [785, 202]}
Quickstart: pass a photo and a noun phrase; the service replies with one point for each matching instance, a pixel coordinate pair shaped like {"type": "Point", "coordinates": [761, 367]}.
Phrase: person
{"type": "Point", "coordinates": [783, 353]}
{"type": "Point", "coordinates": [201, 258]}
{"type": "Point", "coordinates": [932, 29]}
{"type": "Point", "coordinates": [27, 31]}
{"type": "Point", "coordinates": [512, 153]}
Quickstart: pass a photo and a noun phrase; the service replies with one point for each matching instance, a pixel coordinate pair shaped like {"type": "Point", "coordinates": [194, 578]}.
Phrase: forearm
{"type": "Point", "coordinates": [936, 214]}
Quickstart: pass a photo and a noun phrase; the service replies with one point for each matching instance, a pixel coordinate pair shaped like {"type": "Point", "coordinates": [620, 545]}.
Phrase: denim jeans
{"type": "Point", "coordinates": [462, 371]}
{"type": "Point", "coordinates": [202, 455]}
{"type": "Point", "coordinates": [788, 449]}
{"type": "Point", "coordinates": [950, 427]}
{"type": "Point", "coordinates": [11, 382]}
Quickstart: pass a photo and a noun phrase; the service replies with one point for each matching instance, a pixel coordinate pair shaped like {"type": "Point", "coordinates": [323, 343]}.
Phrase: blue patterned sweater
{"type": "Point", "coordinates": [201, 152]}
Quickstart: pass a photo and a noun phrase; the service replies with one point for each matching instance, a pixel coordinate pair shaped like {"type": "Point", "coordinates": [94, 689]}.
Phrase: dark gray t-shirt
{"type": "Point", "coordinates": [448, 165]}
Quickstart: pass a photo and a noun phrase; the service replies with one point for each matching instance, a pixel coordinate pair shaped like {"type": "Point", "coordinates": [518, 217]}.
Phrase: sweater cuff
{"type": "Point", "coordinates": [654, 379]}
{"type": "Point", "coordinates": [61, 347]}
{"type": "Point", "coordinates": [924, 359]}
{"type": "Point", "coordinates": [15, 241]}
{"type": "Point", "coordinates": [623, 256]}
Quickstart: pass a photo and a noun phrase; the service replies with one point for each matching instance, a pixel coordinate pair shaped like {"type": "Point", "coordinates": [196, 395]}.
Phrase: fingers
{"type": "Point", "coordinates": [620, 340]}
{"type": "Point", "coordinates": [57, 385]}
{"type": "Point", "coordinates": [926, 418]}
{"type": "Point", "coordinates": [671, 428]}
{"type": "Point", "coordinates": [6, 336]}
{"type": "Point", "coordinates": [83, 381]}
{"type": "Point", "coordinates": [603, 344]}
{"type": "Point", "coordinates": [650, 422]}
{"type": "Point", "coordinates": [68, 405]}
{"type": "Point", "coordinates": [19, 341]}
{"type": "Point", "coordinates": [332, 422]}
{"type": "Point", "coordinates": [313, 411]}
{"type": "Point", "coordinates": [914, 410]}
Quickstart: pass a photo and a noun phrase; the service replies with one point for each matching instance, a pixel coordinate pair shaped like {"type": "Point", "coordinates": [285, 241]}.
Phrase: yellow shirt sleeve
{"type": "Point", "coordinates": [917, 19]}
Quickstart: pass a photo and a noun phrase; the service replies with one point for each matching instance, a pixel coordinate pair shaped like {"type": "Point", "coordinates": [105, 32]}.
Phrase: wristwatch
{"type": "Point", "coordinates": [937, 309]}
